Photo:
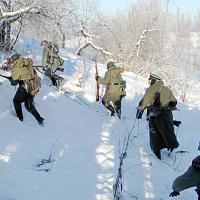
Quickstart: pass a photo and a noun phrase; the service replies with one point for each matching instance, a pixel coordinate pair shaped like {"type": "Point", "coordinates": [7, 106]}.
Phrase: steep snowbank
{"type": "Point", "coordinates": [84, 143]}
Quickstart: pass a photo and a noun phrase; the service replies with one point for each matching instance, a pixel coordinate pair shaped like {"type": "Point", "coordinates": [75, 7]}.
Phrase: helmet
{"type": "Point", "coordinates": [155, 76]}
{"type": "Point", "coordinates": [15, 57]}
{"type": "Point", "coordinates": [110, 64]}
{"type": "Point", "coordinates": [44, 42]}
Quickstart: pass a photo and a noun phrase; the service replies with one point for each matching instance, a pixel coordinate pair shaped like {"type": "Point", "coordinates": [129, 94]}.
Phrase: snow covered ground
{"type": "Point", "coordinates": [76, 154]}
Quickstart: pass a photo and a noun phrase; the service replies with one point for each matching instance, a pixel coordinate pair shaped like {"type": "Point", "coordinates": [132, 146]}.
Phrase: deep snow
{"type": "Point", "coordinates": [85, 142]}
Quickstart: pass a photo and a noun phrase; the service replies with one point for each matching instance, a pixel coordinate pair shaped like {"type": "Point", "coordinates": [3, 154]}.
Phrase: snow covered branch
{"type": "Point", "coordinates": [89, 43]}
{"type": "Point", "coordinates": [142, 43]}
{"type": "Point", "coordinates": [143, 38]}
{"type": "Point", "coordinates": [86, 34]}
{"type": "Point", "coordinates": [28, 9]}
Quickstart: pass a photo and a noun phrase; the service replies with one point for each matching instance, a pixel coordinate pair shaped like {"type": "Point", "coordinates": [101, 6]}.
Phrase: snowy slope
{"type": "Point", "coordinates": [84, 143]}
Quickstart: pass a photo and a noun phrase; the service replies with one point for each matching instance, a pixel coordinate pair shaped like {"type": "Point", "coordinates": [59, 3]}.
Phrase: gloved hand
{"type": "Point", "coordinates": [9, 78]}
{"type": "Point", "coordinates": [139, 113]}
{"type": "Point", "coordinates": [172, 103]}
{"type": "Point", "coordinates": [13, 82]}
{"type": "Point", "coordinates": [96, 77]}
{"type": "Point", "coordinates": [174, 194]}
{"type": "Point", "coordinates": [61, 69]}
{"type": "Point", "coordinates": [173, 108]}
{"type": "Point", "coordinates": [176, 123]}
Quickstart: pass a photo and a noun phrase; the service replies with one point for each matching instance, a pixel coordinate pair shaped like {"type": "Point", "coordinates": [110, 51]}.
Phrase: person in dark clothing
{"type": "Point", "coordinates": [159, 100]}
{"type": "Point", "coordinates": [24, 74]}
{"type": "Point", "coordinates": [191, 178]}
{"type": "Point", "coordinates": [23, 96]}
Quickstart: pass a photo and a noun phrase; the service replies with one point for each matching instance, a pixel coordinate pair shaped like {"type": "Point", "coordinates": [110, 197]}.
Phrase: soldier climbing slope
{"type": "Point", "coordinates": [51, 61]}
{"type": "Point", "coordinates": [115, 88]}
{"type": "Point", "coordinates": [29, 85]}
{"type": "Point", "coordinates": [159, 100]}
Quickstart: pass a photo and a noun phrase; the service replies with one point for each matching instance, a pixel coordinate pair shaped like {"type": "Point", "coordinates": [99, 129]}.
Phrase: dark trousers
{"type": "Point", "coordinates": [54, 78]}
{"type": "Point", "coordinates": [116, 108]}
{"type": "Point", "coordinates": [161, 132]}
{"type": "Point", "coordinates": [23, 96]}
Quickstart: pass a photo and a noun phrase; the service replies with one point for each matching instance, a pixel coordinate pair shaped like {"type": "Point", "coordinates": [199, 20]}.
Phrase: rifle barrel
{"type": "Point", "coordinates": [4, 76]}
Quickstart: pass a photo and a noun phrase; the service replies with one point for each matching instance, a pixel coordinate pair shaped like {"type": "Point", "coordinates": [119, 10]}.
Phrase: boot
{"type": "Point", "coordinates": [112, 113]}
{"type": "Point", "coordinates": [59, 81]}
{"type": "Point", "coordinates": [54, 82]}
{"type": "Point", "coordinates": [112, 110]}
{"type": "Point", "coordinates": [37, 116]}
{"type": "Point", "coordinates": [21, 119]}
{"type": "Point", "coordinates": [19, 114]}
{"type": "Point", "coordinates": [158, 155]}
{"type": "Point", "coordinates": [118, 111]}
{"type": "Point", "coordinates": [41, 121]}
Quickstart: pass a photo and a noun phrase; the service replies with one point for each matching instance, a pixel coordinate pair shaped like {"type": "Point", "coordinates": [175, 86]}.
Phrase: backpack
{"type": "Point", "coordinates": [32, 85]}
{"type": "Point", "coordinates": [52, 52]}
{"type": "Point", "coordinates": [116, 74]}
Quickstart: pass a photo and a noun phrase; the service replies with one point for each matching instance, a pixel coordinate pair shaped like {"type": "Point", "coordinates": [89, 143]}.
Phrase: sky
{"type": "Point", "coordinates": [188, 6]}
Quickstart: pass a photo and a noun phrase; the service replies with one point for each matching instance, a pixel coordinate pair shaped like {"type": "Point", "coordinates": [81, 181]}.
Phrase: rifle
{"type": "Point", "coordinates": [97, 84]}
{"type": "Point", "coordinates": [59, 68]}
{"type": "Point", "coordinates": [7, 77]}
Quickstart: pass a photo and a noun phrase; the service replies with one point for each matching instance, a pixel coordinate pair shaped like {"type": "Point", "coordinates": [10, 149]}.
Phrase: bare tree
{"type": "Point", "coordinates": [11, 13]}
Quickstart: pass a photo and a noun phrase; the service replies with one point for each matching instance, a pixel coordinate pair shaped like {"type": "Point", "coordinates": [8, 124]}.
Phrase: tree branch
{"type": "Point", "coordinates": [17, 37]}
{"type": "Point", "coordinates": [28, 9]}
{"type": "Point", "coordinates": [14, 19]}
